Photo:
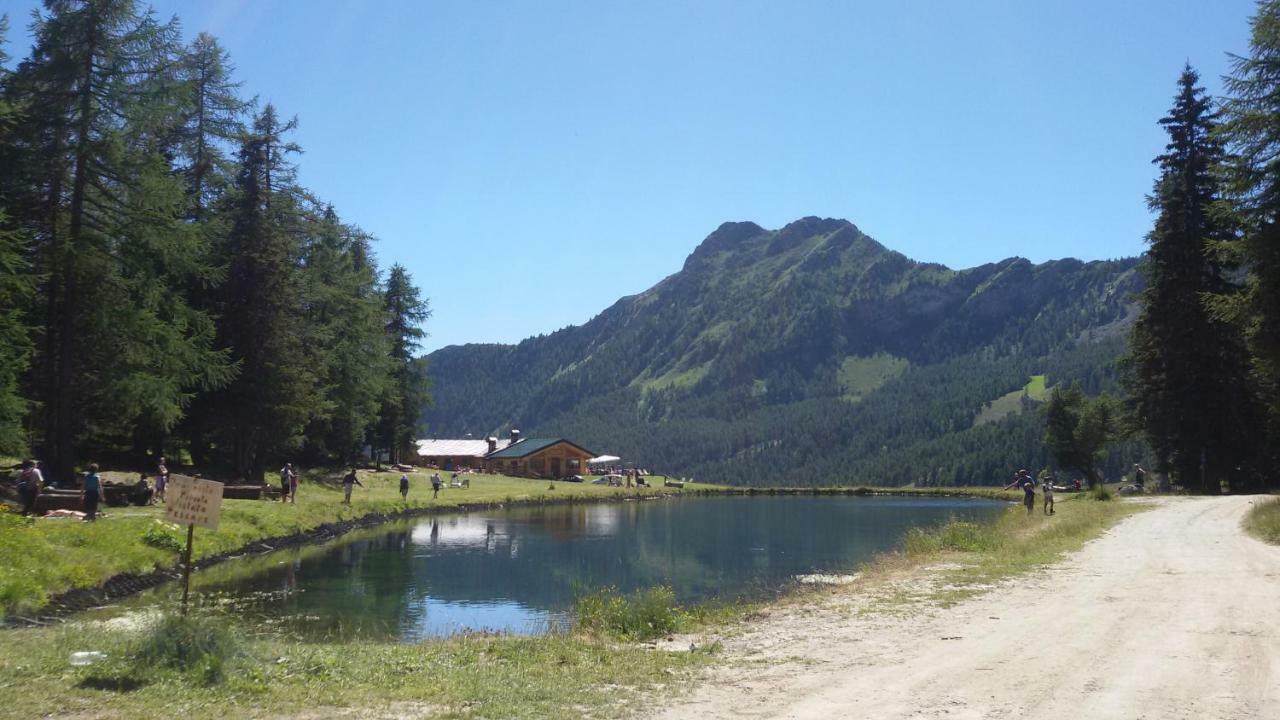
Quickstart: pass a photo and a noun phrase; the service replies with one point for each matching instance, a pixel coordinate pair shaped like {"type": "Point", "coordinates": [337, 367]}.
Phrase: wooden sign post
{"type": "Point", "coordinates": [192, 502]}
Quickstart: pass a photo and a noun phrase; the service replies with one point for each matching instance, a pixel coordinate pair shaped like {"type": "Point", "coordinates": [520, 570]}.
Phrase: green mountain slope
{"type": "Point", "coordinates": [810, 354]}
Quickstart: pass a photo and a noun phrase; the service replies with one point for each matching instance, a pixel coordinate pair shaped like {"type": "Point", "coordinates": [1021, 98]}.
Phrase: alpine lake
{"type": "Point", "coordinates": [519, 570]}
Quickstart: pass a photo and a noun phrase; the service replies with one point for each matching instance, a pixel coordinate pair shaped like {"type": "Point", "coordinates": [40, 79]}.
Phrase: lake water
{"type": "Point", "coordinates": [518, 570]}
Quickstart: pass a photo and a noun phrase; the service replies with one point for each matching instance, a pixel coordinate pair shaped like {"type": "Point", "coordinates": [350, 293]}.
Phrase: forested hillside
{"type": "Point", "coordinates": [808, 355]}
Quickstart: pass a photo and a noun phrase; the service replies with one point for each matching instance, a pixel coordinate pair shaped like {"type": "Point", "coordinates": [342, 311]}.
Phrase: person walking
{"type": "Point", "coordinates": [91, 493]}
{"type": "Point", "coordinates": [404, 486]}
{"type": "Point", "coordinates": [30, 483]}
{"type": "Point", "coordinates": [1047, 488]}
{"type": "Point", "coordinates": [436, 482]}
{"type": "Point", "coordinates": [349, 481]}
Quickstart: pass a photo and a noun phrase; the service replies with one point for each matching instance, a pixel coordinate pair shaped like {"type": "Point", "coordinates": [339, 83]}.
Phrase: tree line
{"type": "Point", "coordinates": [166, 284]}
{"type": "Point", "coordinates": [1202, 370]}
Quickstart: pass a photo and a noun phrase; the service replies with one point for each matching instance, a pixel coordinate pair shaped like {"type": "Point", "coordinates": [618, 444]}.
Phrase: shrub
{"type": "Point", "coordinates": [1100, 492]}
{"type": "Point", "coordinates": [644, 615]}
{"type": "Point", "coordinates": [159, 535]}
{"type": "Point", "coordinates": [192, 644]}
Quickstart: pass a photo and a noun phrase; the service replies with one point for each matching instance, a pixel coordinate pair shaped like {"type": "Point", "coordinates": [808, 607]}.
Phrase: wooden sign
{"type": "Point", "coordinates": [190, 501]}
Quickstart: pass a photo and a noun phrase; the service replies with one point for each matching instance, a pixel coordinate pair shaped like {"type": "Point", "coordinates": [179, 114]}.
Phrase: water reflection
{"type": "Point", "coordinates": [519, 570]}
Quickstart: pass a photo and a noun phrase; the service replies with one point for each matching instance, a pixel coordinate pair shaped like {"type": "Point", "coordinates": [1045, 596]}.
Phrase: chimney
{"type": "Point", "coordinates": [493, 443]}
{"type": "Point", "coordinates": [515, 436]}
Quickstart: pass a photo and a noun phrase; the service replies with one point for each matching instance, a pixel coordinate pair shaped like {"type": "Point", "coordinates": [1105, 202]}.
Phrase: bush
{"type": "Point", "coordinates": [160, 535]}
{"type": "Point", "coordinates": [1100, 492]}
{"type": "Point", "coordinates": [955, 535]}
{"type": "Point", "coordinates": [645, 615]}
{"type": "Point", "coordinates": [191, 644]}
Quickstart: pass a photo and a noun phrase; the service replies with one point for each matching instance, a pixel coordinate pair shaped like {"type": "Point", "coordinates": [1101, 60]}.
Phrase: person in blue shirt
{"type": "Point", "coordinates": [91, 493]}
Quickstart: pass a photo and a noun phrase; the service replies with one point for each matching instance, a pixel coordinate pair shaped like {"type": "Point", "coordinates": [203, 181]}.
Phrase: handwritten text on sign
{"type": "Point", "coordinates": [189, 501]}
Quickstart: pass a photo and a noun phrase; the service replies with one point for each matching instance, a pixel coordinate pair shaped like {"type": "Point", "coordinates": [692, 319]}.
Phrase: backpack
{"type": "Point", "coordinates": [27, 480]}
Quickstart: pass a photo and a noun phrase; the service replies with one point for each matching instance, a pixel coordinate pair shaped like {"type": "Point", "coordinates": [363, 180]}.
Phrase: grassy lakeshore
{"type": "Point", "coordinates": [43, 557]}
{"type": "Point", "coordinates": [1263, 520]}
{"type": "Point", "coordinates": [590, 672]}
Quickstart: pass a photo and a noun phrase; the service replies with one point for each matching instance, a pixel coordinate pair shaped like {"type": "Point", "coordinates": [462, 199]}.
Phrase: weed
{"type": "Point", "coordinates": [644, 615]}
{"type": "Point", "coordinates": [957, 535]}
{"type": "Point", "coordinates": [200, 646]}
{"type": "Point", "coordinates": [1263, 521]}
{"type": "Point", "coordinates": [159, 535]}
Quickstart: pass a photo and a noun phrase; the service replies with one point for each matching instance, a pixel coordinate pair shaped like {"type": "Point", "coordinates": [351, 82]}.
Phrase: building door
{"type": "Point", "coordinates": [555, 467]}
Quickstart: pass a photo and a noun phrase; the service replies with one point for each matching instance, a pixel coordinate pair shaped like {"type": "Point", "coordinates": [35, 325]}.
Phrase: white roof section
{"type": "Point", "coordinates": [454, 448]}
{"type": "Point", "coordinates": [603, 460]}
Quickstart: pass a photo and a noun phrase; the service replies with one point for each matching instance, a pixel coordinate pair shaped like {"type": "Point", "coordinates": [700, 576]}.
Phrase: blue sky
{"type": "Point", "coordinates": [531, 162]}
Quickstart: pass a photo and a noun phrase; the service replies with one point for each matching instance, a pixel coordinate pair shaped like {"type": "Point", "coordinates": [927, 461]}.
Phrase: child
{"type": "Point", "coordinates": [404, 486]}
{"type": "Point", "coordinates": [1048, 496]}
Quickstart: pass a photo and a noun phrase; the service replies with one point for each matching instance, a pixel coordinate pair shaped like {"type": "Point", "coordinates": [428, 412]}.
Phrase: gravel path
{"type": "Point", "coordinates": [1174, 613]}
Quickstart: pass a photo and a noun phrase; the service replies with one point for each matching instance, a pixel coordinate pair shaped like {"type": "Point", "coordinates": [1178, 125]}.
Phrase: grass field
{"type": "Point", "coordinates": [1011, 403]}
{"type": "Point", "coordinates": [1263, 520]}
{"type": "Point", "coordinates": [861, 376]}
{"type": "Point", "coordinates": [43, 557]}
{"type": "Point", "coordinates": [555, 676]}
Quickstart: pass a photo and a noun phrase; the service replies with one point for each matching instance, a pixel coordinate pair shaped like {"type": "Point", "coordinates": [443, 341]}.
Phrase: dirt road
{"type": "Point", "coordinates": [1174, 613]}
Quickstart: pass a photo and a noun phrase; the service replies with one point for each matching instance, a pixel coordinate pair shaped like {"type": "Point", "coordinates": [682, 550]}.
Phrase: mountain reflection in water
{"type": "Point", "coordinates": [519, 570]}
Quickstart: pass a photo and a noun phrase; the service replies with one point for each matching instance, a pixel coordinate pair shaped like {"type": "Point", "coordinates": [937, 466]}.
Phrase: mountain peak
{"type": "Point", "coordinates": [727, 237]}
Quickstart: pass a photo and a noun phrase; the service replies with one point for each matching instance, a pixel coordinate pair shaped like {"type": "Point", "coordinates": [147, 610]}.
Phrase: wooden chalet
{"type": "Point", "coordinates": [539, 457]}
{"type": "Point", "coordinates": [528, 457]}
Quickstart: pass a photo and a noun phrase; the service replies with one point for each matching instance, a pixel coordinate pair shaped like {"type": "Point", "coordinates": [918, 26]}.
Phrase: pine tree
{"type": "Point", "coordinates": [346, 341]}
{"type": "Point", "coordinates": [1253, 136]}
{"type": "Point", "coordinates": [1188, 370]}
{"type": "Point", "coordinates": [406, 311]}
{"type": "Point", "coordinates": [1079, 429]}
{"type": "Point", "coordinates": [262, 411]}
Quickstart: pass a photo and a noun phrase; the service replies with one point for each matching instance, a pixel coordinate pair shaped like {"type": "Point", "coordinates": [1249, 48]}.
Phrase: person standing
{"type": "Point", "coordinates": [162, 480]}
{"type": "Point", "coordinates": [30, 483]}
{"type": "Point", "coordinates": [1022, 479]}
{"type": "Point", "coordinates": [404, 486]}
{"type": "Point", "coordinates": [286, 481]}
{"type": "Point", "coordinates": [436, 482]}
{"type": "Point", "coordinates": [1048, 495]}
{"type": "Point", "coordinates": [91, 493]}
{"type": "Point", "coordinates": [349, 481]}
{"type": "Point", "coordinates": [1139, 476]}
{"type": "Point", "coordinates": [293, 485]}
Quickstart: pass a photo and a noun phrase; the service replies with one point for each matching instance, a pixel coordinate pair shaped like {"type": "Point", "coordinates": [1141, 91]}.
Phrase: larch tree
{"type": "Point", "coordinates": [1187, 368]}
{"type": "Point", "coordinates": [104, 210]}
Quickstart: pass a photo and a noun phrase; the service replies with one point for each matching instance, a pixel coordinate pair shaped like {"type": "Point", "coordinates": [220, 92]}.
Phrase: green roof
{"type": "Point", "coordinates": [529, 446]}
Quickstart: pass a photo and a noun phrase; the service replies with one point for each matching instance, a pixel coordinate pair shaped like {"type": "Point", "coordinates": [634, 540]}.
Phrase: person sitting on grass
{"type": "Point", "coordinates": [348, 482]}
